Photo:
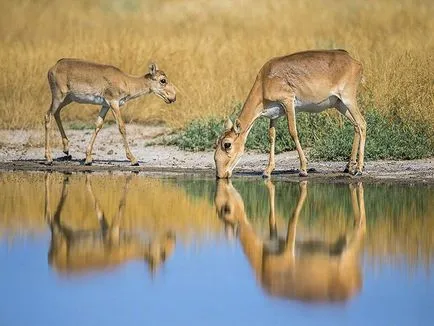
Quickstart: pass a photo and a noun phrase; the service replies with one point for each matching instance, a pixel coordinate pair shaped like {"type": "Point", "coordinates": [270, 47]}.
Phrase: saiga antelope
{"type": "Point", "coordinates": [80, 251]}
{"type": "Point", "coordinates": [305, 270]}
{"type": "Point", "coordinates": [73, 80]}
{"type": "Point", "coordinates": [310, 81]}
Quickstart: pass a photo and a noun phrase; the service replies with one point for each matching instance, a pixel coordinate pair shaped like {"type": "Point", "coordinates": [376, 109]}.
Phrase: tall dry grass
{"type": "Point", "coordinates": [212, 50]}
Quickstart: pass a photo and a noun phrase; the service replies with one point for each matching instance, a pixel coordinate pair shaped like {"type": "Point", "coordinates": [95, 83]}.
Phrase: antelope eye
{"type": "Point", "coordinates": [227, 145]}
{"type": "Point", "coordinates": [163, 81]}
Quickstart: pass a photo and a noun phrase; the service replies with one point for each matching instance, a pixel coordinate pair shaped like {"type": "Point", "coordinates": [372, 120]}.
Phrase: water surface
{"type": "Point", "coordinates": [132, 249]}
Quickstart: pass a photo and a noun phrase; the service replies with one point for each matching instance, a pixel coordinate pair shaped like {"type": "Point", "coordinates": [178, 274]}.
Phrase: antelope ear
{"type": "Point", "coordinates": [237, 127]}
{"type": "Point", "coordinates": [153, 69]}
{"type": "Point", "coordinates": [228, 124]}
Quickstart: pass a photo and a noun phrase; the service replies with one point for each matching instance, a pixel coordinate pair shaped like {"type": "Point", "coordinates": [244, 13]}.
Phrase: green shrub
{"type": "Point", "coordinates": [199, 135]}
{"type": "Point", "coordinates": [311, 127]}
{"type": "Point", "coordinates": [387, 137]}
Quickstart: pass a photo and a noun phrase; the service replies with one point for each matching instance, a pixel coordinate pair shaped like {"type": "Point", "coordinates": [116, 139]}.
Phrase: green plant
{"type": "Point", "coordinates": [388, 137]}
{"type": "Point", "coordinates": [311, 127]}
{"type": "Point", "coordinates": [199, 135]}
{"type": "Point", "coordinates": [80, 125]}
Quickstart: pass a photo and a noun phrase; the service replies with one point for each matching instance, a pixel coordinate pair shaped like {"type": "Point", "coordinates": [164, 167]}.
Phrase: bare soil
{"type": "Point", "coordinates": [24, 150]}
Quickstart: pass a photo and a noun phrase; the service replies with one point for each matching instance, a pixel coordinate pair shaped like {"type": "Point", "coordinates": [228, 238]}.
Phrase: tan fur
{"type": "Point", "coordinates": [309, 81]}
{"type": "Point", "coordinates": [314, 271]}
{"type": "Point", "coordinates": [82, 251]}
{"type": "Point", "coordinates": [74, 80]}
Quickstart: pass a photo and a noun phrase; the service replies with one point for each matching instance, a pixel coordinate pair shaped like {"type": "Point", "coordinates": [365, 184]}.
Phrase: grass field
{"type": "Point", "coordinates": [212, 50]}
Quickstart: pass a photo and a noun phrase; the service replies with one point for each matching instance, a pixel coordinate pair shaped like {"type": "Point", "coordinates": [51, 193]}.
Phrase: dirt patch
{"type": "Point", "coordinates": [23, 150]}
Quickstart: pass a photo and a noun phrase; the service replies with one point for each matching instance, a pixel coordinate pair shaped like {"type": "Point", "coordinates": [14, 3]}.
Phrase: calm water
{"type": "Point", "coordinates": [130, 250]}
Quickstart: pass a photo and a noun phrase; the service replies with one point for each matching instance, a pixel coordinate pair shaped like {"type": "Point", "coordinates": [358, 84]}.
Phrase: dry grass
{"type": "Point", "coordinates": [211, 50]}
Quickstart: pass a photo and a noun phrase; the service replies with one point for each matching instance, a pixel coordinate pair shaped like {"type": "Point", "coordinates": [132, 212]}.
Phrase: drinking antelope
{"type": "Point", "coordinates": [310, 81]}
{"type": "Point", "coordinates": [73, 80]}
{"type": "Point", "coordinates": [313, 271]}
{"type": "Point", "coordinates": [80, 251]}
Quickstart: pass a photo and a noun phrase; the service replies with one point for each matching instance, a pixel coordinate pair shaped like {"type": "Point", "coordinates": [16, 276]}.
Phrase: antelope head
{"type": "Point", "coordinates": [160, 84]}
{"type": "Point", "coordinates": [229, 148]}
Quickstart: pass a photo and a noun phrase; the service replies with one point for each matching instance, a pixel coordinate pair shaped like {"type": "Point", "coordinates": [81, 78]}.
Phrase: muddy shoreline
{"type": "Point", "coordinates": [22, 150]}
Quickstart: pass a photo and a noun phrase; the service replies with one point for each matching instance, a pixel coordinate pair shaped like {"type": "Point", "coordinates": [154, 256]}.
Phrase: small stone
{"type": "Point", "coordinates": [110, 152]}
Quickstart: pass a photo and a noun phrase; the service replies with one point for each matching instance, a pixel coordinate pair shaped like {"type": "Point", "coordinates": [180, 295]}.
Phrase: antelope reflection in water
{"type": "Point", "coordinates": [80, 251]}
{"type": "Point", "coordinates": [311, 271]}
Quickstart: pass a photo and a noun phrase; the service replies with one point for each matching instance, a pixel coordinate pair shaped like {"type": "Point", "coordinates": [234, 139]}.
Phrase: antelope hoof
{"type": "Point", "coordinates": [350, 171]}
{"type": "Point", "coordinates": [350, 168]}
{"type": "Point", "coordinates": [49, 162]}
{"type": "Point", "coordinates": [357, 173]}
{"type": "Point", "coordinates": [266, 175]}
{"type": "Point", "coordinates": [136, 163]}
{"type": "Point", "coordinates": [65, 158]}
{"type": "Point", "coordinates": [302, 174]}
{"type": "Point", "coordinates": [88, 163]}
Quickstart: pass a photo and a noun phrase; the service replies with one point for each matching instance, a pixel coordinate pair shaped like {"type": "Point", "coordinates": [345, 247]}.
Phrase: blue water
{"type": "Point", "coordinates": [208, 280]}
{"type": "Point", "coordinates": [212, 285]}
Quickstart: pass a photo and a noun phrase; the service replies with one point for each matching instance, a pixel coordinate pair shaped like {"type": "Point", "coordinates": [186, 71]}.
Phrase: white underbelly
{"type": "Point", "coordinates": [88, 99]}
{"type": "Point", "coordinates": [312, 107]}
{"type": "Point", "coordinates": [275, 110]}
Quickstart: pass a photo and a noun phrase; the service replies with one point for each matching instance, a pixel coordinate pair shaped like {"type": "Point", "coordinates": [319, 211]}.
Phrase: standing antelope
{"type": "Point", "coordinates": [305, 270]}
{"type": "Point", "coordinates": [73, 80]}
{"type": "Point", "coordinates": [310, 81]}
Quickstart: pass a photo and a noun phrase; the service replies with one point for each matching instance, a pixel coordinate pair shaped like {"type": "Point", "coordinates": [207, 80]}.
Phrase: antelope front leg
{"type": "Point", "coordinates": [117, 114]}
{"type": "Point", "coordinates": [290, 113]}
{"type": "Point", "coordinates": [98, 125]}
{"type": "Point", "coordinates": [272, 137]}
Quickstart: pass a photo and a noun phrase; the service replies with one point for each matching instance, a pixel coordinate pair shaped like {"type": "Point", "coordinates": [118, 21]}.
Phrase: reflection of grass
{"type": "Point", "coordinates": [400, 219]}
{"type": "Point", "coordinates": [152, 205]}
{"type": "Point", "coordinates": [212, 50]}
